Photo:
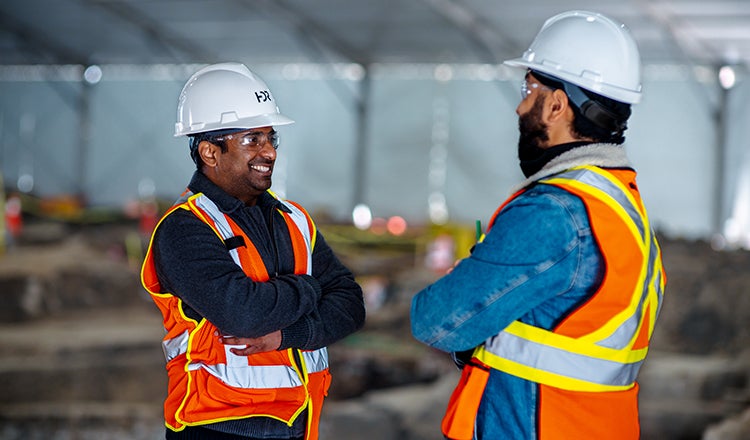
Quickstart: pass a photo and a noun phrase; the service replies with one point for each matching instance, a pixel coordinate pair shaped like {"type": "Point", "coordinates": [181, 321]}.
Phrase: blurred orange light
{"type": "Point", "coordinates": [378, 226]}
{"type": "Point", "coordinates": [396, 225]}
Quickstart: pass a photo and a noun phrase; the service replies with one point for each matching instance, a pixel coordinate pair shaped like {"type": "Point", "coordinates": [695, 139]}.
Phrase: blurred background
{"type": "Point", "coordinates": [405, 137]}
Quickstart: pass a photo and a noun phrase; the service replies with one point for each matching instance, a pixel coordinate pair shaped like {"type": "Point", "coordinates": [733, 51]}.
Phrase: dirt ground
{"type": "Point", "coordinates": [72, 297]}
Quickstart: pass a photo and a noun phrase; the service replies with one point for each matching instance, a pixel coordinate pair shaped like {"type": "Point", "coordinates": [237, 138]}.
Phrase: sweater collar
{"type": "Point", "coordinates": [600, 155]}
{"type": "Point", "coordinates": [199, 183]}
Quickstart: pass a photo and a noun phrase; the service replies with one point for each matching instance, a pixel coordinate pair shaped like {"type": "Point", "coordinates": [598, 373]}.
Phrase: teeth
{"type": "Point", "coordinates": [261, 168]}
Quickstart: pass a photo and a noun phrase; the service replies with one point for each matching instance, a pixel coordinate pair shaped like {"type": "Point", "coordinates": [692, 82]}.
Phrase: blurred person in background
{"type": "Point", "coordinates": [250, 292]}
{"type": "Point", "coordinates": [551, 315]}
{"type": "Point", "coordinates": [3, 239]}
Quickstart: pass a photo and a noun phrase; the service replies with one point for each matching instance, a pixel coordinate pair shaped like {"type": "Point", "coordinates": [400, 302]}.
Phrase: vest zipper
{"type": "Point", "coordinates": [297, 359]}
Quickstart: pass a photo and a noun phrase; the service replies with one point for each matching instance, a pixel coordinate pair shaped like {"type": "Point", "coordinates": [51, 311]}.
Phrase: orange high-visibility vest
{"type": "Point", "coordinates": [207, 382]}
{"type": "Point", "coordinates": [587, 365]}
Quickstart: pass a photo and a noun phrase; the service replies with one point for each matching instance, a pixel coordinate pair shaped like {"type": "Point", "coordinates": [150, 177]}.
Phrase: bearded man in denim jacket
{"type": "Point", "coordinates": [551, 314]}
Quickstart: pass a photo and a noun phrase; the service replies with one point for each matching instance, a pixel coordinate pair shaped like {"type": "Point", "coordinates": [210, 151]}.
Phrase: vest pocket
{"type": "Point", "coordinates": [210, 399]}
{"type": "Point", "coordinates": [218, 391]}
{"type": "Point", "coordinates": [319, 383]}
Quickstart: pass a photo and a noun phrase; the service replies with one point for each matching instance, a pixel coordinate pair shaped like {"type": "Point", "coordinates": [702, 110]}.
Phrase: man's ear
{"type": "Point", "coordinates": [558, 107]}
{"type": "Point", "coordinates": [559, 117]}
{"type": "Point", "coordinates": [208, 153]}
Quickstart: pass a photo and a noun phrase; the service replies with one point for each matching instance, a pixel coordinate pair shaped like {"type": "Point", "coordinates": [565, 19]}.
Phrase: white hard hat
{"type": "Point", "coordinates": [589, 50]}
{"type": "Point", "coordinates": [226, 96]}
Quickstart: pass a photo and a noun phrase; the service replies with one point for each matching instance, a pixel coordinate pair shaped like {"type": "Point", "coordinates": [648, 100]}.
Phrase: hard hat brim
{"type": "Point", "coordinates": [266, 120]}
{"type": "Point", "coordinates": [610, 91]}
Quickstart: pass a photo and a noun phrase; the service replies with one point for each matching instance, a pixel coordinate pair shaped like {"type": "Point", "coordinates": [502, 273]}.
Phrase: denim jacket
{"type": "Point", "coordinates": [538, 262]}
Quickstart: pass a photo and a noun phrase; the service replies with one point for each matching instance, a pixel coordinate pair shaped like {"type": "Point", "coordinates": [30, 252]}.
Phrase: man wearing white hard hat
{"type": "Point", "coordinates": [250, 292]}
{"type": "Point", "coordinates": [551, 315]}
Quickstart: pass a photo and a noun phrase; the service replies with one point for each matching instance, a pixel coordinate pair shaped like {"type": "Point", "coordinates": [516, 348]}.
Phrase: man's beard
{"type": "Point", "coordinates": [532, 135]}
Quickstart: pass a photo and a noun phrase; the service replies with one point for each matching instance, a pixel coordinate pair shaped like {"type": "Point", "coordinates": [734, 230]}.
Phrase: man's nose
{"type": "Point", "coordinates": [267, 149]}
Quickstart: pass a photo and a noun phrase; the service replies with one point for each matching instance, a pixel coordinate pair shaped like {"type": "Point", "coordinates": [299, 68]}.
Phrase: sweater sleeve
{"type": "Point", "coordinates": [340, 308]}
{"type": "Point", "coordinates": [193, 263]}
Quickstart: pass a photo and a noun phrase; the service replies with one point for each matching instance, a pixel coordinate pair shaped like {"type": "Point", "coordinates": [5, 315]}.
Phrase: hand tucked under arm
{"type": "Point", "coordinates": [269, 342]}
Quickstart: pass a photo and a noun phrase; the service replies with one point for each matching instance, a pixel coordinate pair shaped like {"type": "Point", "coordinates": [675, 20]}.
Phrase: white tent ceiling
{"type": "Point", "coordinates": [708, 32]}
{"type": "Point", "coordinates": [380, 36]}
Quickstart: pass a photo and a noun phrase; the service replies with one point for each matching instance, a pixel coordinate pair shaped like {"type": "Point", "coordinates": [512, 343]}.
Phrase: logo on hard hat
{"type": "Point", "coordinates": [263, 96]}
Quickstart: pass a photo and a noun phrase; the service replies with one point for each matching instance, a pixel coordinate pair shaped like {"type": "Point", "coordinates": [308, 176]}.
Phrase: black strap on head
{"type": "Point", "coordinates": [592, 110]}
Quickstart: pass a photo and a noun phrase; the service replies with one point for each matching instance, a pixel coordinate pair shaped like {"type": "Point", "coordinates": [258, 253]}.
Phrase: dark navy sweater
{"type": "Point", "coordinates": [312, 311]}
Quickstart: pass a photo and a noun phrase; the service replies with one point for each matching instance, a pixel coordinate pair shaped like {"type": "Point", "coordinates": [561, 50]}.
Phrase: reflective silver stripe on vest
{"type": "Point", "coordinates": [316, 360]}
{"type": "Point", "coordinates": [602, 183]}
{"type": "Point", "coordinates": [220, 221]}
{"type": "Point", "coordinates": [236, 372]}
{"type": "Point", "coordinates": [506, 345]}
{"type": "Point", "coordinates": [562, 362]}
{"type": "Point", "coordinates": [624, 333]}
{"type": "Point", "coordinates": [175, 346]}
{"type": "Point", "coordinates": [657, 286]}
{"type": "Point", "coordinates": [257, 376]}
{"type": "Point", "coordinates": [300, 219]}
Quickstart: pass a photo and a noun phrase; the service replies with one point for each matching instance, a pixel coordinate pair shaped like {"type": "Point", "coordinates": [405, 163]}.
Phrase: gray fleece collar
{"type": "Point", "coordinates": [600, 155]}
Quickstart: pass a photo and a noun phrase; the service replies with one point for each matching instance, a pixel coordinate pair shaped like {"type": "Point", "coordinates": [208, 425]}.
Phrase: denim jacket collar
{"type": "Point", "coordinates": [601, 155]}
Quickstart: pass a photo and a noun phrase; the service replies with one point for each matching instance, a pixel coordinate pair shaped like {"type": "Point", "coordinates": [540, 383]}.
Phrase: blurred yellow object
{"type": "Point", "coordinates": [63, 206]}
{"type": "Point", "coordinates": [463, 235]}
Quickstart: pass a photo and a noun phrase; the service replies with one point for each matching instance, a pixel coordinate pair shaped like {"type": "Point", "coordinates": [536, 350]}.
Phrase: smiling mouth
{"type": "Point", "coordinates": [261, 168]}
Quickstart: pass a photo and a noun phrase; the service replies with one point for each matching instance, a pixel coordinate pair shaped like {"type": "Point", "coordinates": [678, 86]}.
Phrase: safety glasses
{"type": "Point", "coordinates": [253, 139]}
{"type": "Point", "coordinates": [526, 88]}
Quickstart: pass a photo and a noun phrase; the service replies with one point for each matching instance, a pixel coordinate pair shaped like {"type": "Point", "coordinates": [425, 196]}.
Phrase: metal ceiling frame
{"type": "Point", "coordinates": [481, 33]}
{"type": "Point", "coordinates": [323, 44]}
{"type": "Point", "coordinates": [718, 107]}
{"type": "Point", "coordinates": [39, 43]}
{"type": "Point", "coordinates": [152, 30]}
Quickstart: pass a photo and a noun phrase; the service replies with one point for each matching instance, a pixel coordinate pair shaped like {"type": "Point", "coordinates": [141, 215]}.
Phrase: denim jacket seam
{"type": "Point", "coordinates": [568, 210]}
{"type": "Point", "coordinates": [498, 294]}
{"type": "Point", "coordinates": [582, 230]}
